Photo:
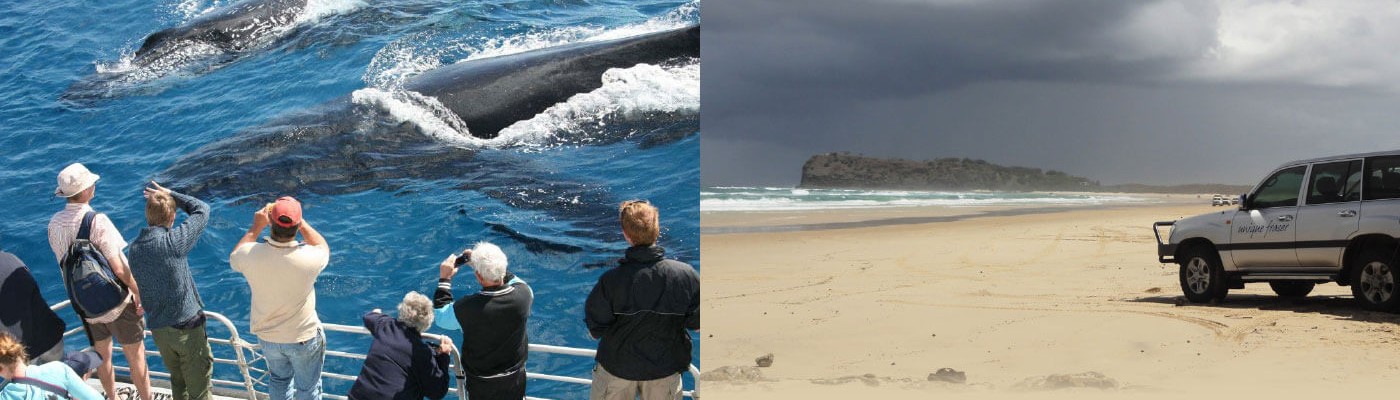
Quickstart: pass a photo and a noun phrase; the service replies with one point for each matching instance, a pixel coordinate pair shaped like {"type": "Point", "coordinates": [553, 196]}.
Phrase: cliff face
{"type": "Point", "coordinates": [843, 170]}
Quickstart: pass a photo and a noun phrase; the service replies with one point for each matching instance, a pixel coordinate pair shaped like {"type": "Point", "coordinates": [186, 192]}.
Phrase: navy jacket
{"type": "Point", "coordinates": [23, 311]}
{"type": "Point", "coordinates": [640, 311]}
{"type": "Point", "coordinates": [399, 364]}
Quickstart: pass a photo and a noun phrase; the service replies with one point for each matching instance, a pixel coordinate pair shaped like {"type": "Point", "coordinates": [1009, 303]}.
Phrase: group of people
{"type": "Point", "coordinates": [640, 310]}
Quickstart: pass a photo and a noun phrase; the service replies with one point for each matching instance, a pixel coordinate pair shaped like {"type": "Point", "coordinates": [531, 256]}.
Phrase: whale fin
{"type": "Point", "coordinates": [153, 41]}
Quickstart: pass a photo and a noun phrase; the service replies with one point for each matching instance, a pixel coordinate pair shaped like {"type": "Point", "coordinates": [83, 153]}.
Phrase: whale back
{"type": "Point", "coordinates": [232, 28]}
{"type": "Point", "coordinates": [490, 94]}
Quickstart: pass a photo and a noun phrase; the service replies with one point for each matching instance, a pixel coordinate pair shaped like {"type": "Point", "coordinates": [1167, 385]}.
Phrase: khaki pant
{"type": "Point", "coordinates": [186, 355]}
{"type": "Point", "coordinates": [609, 387]}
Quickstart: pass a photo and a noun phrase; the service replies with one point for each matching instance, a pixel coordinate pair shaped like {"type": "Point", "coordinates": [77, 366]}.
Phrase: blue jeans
{"type": "Point", "coordinates": [295, 365]}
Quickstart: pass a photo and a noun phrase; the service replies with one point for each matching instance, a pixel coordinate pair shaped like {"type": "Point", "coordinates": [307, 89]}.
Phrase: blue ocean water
{"type": "Point", "coordinates": [546, 190]}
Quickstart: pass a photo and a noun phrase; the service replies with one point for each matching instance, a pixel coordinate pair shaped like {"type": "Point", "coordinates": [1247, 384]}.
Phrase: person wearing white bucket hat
{"type": "Point", "coordinates": [74, 179]}
{"type": "Point", "coordinates": [123, 322]}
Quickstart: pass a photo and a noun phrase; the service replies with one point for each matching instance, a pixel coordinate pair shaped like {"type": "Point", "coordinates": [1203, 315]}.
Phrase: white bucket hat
{"type": "Point", "coordinates": [74, 179]}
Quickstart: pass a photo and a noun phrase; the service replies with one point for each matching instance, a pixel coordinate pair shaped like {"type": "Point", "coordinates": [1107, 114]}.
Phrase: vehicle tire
{"type": "Point", "coordinates": [1373, 280]}
{"type": "Point", "coordinates": [1202, 275]}
{"type": "Point", "coordinates": [1292, 289]}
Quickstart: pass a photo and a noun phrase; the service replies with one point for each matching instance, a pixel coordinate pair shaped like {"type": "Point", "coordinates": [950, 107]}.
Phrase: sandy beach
{"type": "Point", "coordinates": [1021, 300]}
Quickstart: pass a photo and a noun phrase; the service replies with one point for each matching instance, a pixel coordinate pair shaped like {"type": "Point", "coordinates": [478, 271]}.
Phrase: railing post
{"type": "Point", "coordinates": [238, 346]}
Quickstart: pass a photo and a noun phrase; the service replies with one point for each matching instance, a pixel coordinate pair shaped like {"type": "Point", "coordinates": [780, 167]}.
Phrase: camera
{"type": "Point", "coordinates": [464, 258]}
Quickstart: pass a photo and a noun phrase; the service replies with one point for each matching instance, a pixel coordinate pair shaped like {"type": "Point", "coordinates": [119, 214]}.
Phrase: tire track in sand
{"type": "Point", "coordinates": [1219, 329]}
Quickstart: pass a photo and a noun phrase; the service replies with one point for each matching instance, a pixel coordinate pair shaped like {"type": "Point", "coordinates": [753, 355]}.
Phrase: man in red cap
{"type": "Point", "coordinates": [282, 275]}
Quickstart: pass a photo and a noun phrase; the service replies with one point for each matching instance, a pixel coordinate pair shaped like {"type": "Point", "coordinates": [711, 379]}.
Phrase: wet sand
{"type": "Point", "coordinates": [855, 303]}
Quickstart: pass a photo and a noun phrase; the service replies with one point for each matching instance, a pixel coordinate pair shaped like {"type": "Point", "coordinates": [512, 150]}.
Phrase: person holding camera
{"type": "Point", "coordinates": [492, 321]}
{"type": "Point", "coordinates": [282, 276]}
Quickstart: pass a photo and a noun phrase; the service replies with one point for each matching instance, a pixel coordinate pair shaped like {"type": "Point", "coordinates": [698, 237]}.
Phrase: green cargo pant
{"type": "Point", "coordinates": [186, 355]}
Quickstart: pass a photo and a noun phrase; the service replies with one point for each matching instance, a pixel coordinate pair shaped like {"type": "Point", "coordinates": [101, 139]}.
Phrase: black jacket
{"type": "Point", "coordinates": [23, 311]}
{"type": "Point", "coordinates": [640, 311]}
{"type": "Point", "coordinates": [494, 340]}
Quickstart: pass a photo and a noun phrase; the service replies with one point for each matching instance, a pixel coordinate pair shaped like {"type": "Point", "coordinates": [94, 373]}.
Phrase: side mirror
{"type": "Point", "coordinates": [1244, 202]}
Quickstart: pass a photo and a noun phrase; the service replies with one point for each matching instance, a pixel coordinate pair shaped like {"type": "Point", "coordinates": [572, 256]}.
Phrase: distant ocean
{"type": "Point", "coordinates": [731, 198]}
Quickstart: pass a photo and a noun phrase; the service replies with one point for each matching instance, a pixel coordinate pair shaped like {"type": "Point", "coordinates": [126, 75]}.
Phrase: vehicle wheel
{"type": "Point", "coordinates": [1202, 278]}
{"type": "Point", "coordinates": [1373, 280]}
{"type": "Point", "coordinates": [1292, 289]}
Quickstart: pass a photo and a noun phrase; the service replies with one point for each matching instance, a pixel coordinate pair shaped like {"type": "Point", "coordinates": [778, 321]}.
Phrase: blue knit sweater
{"type": "Point", "coordinates": [159, 260]}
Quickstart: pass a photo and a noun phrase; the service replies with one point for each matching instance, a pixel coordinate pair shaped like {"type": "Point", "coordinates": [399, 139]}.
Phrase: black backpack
{"type": "Point", "coordinates": [91, 284]}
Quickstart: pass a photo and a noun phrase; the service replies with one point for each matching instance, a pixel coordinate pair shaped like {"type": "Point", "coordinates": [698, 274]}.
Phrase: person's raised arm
{"type": "Point", "coordinates": [313, 237]}
{"type": "Point", "coordinates": [187, 234]}
{"type": "Point", "coordinates": [443, 314]}
{"type": "Point", "coordinates": [259, 223]}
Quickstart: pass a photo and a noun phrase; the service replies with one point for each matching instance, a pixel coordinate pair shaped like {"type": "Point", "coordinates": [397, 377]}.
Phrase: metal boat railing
{"type": "Point", "coordinates": [246, 355]}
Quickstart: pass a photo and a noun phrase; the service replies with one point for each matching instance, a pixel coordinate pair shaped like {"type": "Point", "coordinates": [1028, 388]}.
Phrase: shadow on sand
{"type": "Point", "coordinates": [1344, 307]}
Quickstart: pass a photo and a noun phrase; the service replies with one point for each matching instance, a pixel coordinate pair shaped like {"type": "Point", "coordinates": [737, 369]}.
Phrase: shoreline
{"type": "Point", "coordinates": [725, 222]}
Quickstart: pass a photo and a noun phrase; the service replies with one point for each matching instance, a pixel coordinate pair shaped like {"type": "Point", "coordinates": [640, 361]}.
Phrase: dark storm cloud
{"type": "Point", "coordinates": [1156, 92]}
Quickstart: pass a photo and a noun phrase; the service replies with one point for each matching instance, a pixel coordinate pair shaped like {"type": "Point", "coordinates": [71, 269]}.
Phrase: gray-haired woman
{"type": "Point", "coordinates": [400, 365]}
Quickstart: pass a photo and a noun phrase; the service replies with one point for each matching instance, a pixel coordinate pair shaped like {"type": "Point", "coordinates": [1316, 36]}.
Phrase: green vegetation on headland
{"type": "Point", "coordinates": [849, 171]}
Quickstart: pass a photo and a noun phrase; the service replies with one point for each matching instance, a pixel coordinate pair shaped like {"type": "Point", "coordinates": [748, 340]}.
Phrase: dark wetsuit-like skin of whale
{"type": "Point", "coordinates": [345, 147]}
{"type": "Point", "coordinates": [232, 29]}
{"type": "Point", "coordinates": [492, 93]}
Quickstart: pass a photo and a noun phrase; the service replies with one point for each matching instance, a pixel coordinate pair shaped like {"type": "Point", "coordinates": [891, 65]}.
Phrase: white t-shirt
{"type": "Point", "coordinates": [282, 277]}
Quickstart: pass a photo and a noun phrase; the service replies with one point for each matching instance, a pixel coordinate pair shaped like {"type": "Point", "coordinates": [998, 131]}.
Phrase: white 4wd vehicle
{"type": "Point", "coordinates": [1333, 219]}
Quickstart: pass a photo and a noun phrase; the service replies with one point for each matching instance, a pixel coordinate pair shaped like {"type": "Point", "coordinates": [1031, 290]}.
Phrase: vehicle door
{"type": "Point", "coordinates": [1380, 195]}
{"type": "Point", "coordinates": [1262, 232]}
{"type": "Point", "coordinates": [1328, 216]}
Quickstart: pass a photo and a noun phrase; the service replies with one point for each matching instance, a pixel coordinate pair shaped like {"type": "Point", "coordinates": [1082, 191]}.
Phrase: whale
{"type": "Point", "coordinates": [205, 43]}
{"type": "Point", "coordinates": [232, 29]}
{"type": "Point", "coordinates": [490, 94]}
{"type": "Point", "coordinates": [345, 146]}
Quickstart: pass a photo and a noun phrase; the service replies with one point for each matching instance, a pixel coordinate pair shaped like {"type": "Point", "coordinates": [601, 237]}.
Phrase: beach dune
{"type": "Point", "coordinates": [1029, 303]}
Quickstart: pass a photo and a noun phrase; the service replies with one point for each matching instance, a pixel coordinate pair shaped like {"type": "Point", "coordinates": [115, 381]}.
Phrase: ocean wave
{"type": "Point", "coordinates": [790, 199]}
{"type": "Point", "coordinates": [425, 112]}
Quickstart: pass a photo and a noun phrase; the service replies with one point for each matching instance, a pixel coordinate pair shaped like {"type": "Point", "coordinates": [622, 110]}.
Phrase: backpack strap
{"type": "Point", "coordinates": [48, 387]}
{"type": "Point", "coordinates": [85, 230]}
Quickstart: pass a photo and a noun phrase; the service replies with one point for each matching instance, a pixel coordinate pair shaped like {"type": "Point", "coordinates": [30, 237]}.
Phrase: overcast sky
{"type": "Point", "coordinates": [1161, 92]}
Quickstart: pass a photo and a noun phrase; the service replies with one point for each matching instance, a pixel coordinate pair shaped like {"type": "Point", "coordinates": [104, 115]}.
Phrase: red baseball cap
{"type": "Point", "coordinates": [286, 212]}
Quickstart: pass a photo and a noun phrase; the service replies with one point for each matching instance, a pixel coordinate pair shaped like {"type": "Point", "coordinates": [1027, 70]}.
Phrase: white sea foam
{"type": "Point", "coordinates": [424, 111]}
{"type": "Point", "coordinates": [400, 60]}
{"type": "Point", "coordinates": [626, 93]}
{"type": "Point", "coordinates": [317, 9]}
{"type": "Point", "coordinates": [788, 199]}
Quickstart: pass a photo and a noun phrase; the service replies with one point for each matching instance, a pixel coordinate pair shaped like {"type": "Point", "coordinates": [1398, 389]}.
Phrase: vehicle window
{"type": "Point", "coordinates": [1382, 178]}
{"type": "Point", "coordinates": [1280, 190]}
{"type": "Point", "coordinates": [1332, 182]}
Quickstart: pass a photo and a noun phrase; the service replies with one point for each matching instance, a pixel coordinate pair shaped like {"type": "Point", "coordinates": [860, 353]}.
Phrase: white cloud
{"type": "Point", "coordinates": [1326, 43]}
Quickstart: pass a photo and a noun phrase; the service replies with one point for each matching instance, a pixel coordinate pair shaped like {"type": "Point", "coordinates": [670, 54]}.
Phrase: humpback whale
{"type": "Point", "coordinates": [493, 93]}
{"type": "Point", "coordinates": [232, 29]}
{"type": "Point", "coordinates": [346, 146]}
{"type": "Point", "coordinates": [208, 41]}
